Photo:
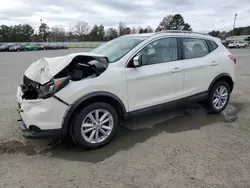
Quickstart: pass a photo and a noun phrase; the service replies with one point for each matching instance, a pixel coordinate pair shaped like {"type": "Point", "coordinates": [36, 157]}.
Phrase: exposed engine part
{"type": "Point", "coordinates": [81, 67]}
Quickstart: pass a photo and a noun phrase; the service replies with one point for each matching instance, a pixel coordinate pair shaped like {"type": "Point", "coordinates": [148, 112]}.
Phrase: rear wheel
{"type": "Point", "coordinates": [95, 126]}
{"type": "Point", "coordinates": [219, 97]}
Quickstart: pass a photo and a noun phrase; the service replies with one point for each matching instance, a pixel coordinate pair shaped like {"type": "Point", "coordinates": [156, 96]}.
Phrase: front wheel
{"type": "Point", "coordinates": [219, 96]}
{"type": "Point", "coordinates": [95, 126]}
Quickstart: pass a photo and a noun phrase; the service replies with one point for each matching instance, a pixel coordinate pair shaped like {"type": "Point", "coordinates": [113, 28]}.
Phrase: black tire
{"type": "Point", "coordinates": [76, 128]}
{"type": "Point", "coordinates": [211, 106]}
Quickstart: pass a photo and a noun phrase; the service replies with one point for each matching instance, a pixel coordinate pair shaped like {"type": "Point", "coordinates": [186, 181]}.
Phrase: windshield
{"type": "Point", "coordinates": [117, 48]}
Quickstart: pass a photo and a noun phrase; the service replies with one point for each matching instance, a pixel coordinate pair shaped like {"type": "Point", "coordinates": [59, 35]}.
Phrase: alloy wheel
{"type": "Point", "coordinates": [97, 126]}
{"type": "Point", "coordinates": [220, 97]}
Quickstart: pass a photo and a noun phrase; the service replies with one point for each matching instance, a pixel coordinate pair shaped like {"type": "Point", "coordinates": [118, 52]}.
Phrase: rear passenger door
{"type": "Point", "coordinates": [199, 64]}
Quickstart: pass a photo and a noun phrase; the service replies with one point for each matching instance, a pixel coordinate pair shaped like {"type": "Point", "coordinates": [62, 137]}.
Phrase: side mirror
{"type": "Point", "coordinates": [137, 61]}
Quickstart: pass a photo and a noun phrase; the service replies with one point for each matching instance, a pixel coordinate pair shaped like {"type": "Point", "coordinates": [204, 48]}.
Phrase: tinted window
{"type": "Point", "coordinates": [212, 45]}
{"type": "Point", "coordinates": [160, 51]}
{"type": "Point", "coordinates": [194, 48]}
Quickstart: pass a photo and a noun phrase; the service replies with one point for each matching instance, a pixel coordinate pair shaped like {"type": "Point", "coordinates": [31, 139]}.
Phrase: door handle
{"type": "Point", "coordinates": [176, 69]}
{"type": "Point", "coordinates": [213, 63]}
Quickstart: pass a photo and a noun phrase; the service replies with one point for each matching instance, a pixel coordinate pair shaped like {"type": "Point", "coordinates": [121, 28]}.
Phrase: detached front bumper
{"type": "Point", "coordinates": [40, 118]}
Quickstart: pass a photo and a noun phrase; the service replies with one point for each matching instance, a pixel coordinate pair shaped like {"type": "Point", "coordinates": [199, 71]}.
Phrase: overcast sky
{"type": "Point", "coordinates": [202, 15]}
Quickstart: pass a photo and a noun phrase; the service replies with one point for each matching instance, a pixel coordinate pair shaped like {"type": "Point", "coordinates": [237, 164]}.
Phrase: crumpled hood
{"type": "Point", "coordinates": [44, 69]}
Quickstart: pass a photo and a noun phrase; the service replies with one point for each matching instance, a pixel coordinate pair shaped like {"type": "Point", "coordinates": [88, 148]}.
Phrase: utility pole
{"type": "Point", "coordinates": [234, 25]}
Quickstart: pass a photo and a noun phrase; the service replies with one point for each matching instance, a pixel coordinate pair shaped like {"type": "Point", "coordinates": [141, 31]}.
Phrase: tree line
{"type": "Point", "coordinates": [236, 32]}
{"type": "Point", "coordinates": [81, 31]}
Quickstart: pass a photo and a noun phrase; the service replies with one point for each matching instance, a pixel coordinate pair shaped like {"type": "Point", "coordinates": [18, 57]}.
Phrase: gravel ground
{"type": "Point", "coordinates": [181, 148]}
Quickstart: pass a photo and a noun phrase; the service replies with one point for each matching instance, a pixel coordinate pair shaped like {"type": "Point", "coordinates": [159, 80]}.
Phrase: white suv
{"type": "Point", "coordinates": [237, 44]}
{"type": "Point", "coordinates": [87, 95]}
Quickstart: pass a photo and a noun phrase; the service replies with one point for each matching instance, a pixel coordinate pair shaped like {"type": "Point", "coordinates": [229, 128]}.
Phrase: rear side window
{"type": "Point", "coordinates": [194, 48]}
{"type": "Point", "coordinates": [212, 45]}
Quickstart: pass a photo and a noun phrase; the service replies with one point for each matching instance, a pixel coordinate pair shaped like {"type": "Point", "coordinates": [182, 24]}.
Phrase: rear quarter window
{"type": "Point", "coordinates": [212, 45]}
{"type": "Point", "coordinates": [194, 48]}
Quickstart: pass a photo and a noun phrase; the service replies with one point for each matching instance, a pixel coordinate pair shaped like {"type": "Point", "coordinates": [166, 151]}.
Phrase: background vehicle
{"type": "Point", "coordinates": [225, 43]}
{"type": "Point", "coordinates": [31, 47]}
{"type": "Point", "coordinates": [45, 47]}
{"type": "Point", "coordinates": [58, 47]}
{"type": "Point", "coordinates": [86, 95]}
{"type": "Point", "coordinates": [5, 47]}
{"type": "Point", "coordinates": [62, 47]}
{"type": "Point", "coordinates": [237, 44]}
{"type": "Point", "coordinates": [17, 47]}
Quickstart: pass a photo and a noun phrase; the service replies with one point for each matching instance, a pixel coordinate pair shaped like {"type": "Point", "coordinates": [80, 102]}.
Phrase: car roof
{"type": "Point", "coordinates": [175, 33]}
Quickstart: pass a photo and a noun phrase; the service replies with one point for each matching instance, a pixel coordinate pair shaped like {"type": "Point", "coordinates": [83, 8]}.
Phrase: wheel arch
{"type": "Point", "coordinates": [224, 76]}
{"type": "Point", "coordinates": [100, 96]}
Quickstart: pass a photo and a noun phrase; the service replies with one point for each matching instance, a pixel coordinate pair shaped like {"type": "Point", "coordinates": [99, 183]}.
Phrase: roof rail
{"type": "Point", "coordinates": [180, 31]}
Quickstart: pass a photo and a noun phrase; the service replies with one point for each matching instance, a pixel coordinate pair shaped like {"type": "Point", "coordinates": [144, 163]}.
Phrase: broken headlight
{"type": "Point", "coordinates": [49, 89]}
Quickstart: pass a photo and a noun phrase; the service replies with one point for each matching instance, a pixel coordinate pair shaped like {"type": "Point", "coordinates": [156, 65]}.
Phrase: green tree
{"type": "Point", "coordinates": [94, 33]}
{"type": "Point", "coordinates": [214, 33]}
{"type": "Point", "coordinates": [178, 23]}
{"type": "Point", "coordinates": [5, 33]}
{"type": "Point", "coordinates": [57, 34]}
{"type": "Point", "coordinates": [16, 33]}
{"type": "Point", "coordinates": [239, 31]}
{"type": "Point", "coordinates": [27, 33]}
{"type": "Point", "coordinates": [165, 24]}
{"type": "Point", "coordinates": [121, 28]}
{"type": "Point", "coordinates": [149, 29]}
{"type": "Point", "coordinates": [175, 22]}
{"type": "Point", "coordinates": [111, 34]}
{"type": "Point", "coordinates": [101, 33]}
{"type": "Point", "coordinates": [187, 27]}
{"type": "Point", "coordinates": [81, 30]}
{"type": "Point", "coordinates": [44, 31]}
{"type": "Point", "coordinates": [245, 31]}
{"type": "Point", "coordinates": [141, 30]}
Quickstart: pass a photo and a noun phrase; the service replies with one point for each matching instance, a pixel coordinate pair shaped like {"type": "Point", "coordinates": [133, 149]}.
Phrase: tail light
{"type": "Point", "coordinates": [233, 58]}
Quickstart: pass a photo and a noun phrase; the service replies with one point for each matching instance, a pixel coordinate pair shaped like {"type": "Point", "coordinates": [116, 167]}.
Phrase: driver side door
{"type": "Point", "coordinates": [159, 79]}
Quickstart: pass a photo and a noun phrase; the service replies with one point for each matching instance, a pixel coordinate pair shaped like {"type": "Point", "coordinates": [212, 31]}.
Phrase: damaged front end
{"type": "Point", "coordinates": [49, 75]}
{"type": "Point", "coordinates": [33, 90]}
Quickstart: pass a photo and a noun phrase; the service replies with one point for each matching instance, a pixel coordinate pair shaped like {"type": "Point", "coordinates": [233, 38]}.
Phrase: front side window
{"type": "Point", "coordinates": [115, 49]}
{"type": "Point", "coordinates": [159, 51]}
{"type": "Point", "coordinates": [194, 48]}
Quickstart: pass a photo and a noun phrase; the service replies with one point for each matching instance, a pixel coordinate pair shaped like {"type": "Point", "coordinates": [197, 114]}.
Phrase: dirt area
{"type": "Point", "coordinates": [175, 148]}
